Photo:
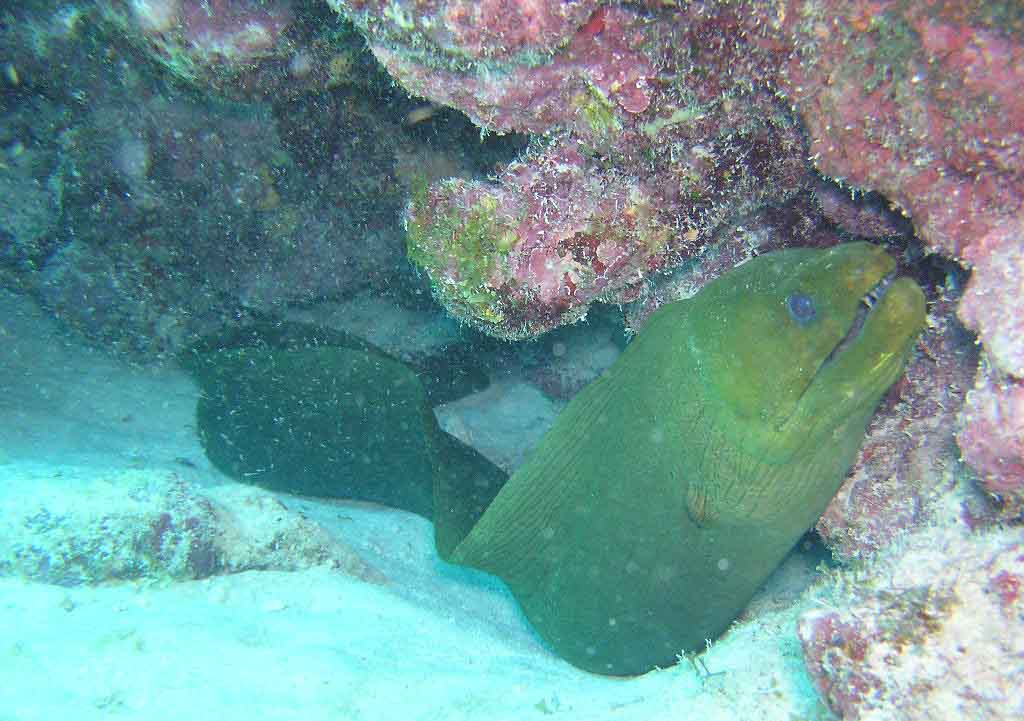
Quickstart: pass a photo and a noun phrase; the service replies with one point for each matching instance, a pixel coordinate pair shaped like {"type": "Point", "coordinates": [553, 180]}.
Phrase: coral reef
{"type": "Point", "coordinates": [919, 101]}
{"type": "Point", "coordinates": [992, 438]}
{"type": "Point", "coordinates": [869, 81]}
{"type": "Point", "coordinates": [82, 529]}
{"type": "Point", "coordinates": [459, 30]}
{"type": "Point", "coordinates": [155, 267]}
{"type": "Point", "coordinates": [583, 85]}
{"type": "Point", "coordinates": [932, 632]}
{"type": "Point", "coordinates": [992, 425]}
{"type": "Point", "coordinates": [632, 177]}
{"type": "Point", "coordinates": [142, 216]}
{"type": "Point", "coordinates": [558, 231]}
{"type": "Point", "coordinates": [658, 142]}
{"type": "Point", "coordinates": [860, 215]}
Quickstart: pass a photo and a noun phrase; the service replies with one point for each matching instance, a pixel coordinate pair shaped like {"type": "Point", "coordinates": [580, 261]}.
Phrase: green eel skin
{"type": "Point", "coordinates": [670, 488]}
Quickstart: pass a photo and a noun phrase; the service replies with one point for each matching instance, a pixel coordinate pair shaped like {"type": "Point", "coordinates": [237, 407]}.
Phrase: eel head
{"type": "Point", "coordinates": [796, 343]}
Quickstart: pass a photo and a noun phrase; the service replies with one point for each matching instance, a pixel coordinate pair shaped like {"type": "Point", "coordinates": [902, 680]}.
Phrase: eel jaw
{"type": "Point", "coordinates": [865, 310]}
{"type": "Point", "coordinates": [867, 304]}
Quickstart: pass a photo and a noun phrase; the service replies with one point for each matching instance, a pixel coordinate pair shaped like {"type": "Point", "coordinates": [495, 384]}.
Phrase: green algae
{"type": "Point", "coordinates": [600, 123]}
{"type": "Point", "coordinates": [475, 242]}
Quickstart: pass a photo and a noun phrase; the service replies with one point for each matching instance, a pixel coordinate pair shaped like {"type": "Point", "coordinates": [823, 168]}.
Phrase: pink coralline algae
{"type": "Point", "coordinates": [864, 217]}
{"type": "Point", "coordinates": [579, 86]}
{"type": "Point", "coordinates": [936, 633]}
{"type": "Point", "coordinates": [556, 231]}
{"type": "Point", "coordinates": [920, 101]}
{"type": "Point", "coordinates": [995, 292]}
{"type": "Point", "coordinates": [639, 163]}
{"type": "Point", "coordinates": [992, 425]}
{"type": "Point", "coordinates": [471, 29]}
{"type": "Point", "coordinates": [235, 28]}
{"type": "Point", "coordinates": [992, 439]}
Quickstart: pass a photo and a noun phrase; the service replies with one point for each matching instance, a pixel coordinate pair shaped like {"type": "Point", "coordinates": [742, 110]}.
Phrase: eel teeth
{"type": "Point", "coordinates": [867, 303]}
{"type": "Point", "coordinates": [874, 295]}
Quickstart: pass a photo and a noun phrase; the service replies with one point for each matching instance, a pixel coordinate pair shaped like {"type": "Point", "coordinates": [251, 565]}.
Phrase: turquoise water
{"type": "Point", "coordinates": [227, 395]}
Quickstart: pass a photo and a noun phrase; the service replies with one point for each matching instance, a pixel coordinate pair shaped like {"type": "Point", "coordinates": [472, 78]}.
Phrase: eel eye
{"type": "Point", "coordinates": [801, 308]}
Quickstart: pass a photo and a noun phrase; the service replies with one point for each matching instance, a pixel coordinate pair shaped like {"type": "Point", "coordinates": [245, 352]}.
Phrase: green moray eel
{"type": "Point", "coordinates": [670, 488]}
{"type": "Point", "coordinates": [319, 412]}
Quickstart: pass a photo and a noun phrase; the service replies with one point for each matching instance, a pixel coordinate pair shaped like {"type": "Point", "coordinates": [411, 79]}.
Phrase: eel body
{"type": "Point", "coordinates": [670, 488]}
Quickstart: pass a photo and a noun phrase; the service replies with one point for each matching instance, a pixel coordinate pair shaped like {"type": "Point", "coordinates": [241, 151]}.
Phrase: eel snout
{"type": "Point", "coordinates": [895, 307]}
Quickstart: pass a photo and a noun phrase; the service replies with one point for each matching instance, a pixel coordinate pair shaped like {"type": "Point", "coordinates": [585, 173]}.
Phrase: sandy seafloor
{"type": "Point", "coordinates": [424, 641]}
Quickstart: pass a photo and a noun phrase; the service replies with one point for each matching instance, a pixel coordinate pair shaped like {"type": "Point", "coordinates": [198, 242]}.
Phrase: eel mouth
{"type": "Point", "coordinates": [867, 304]}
